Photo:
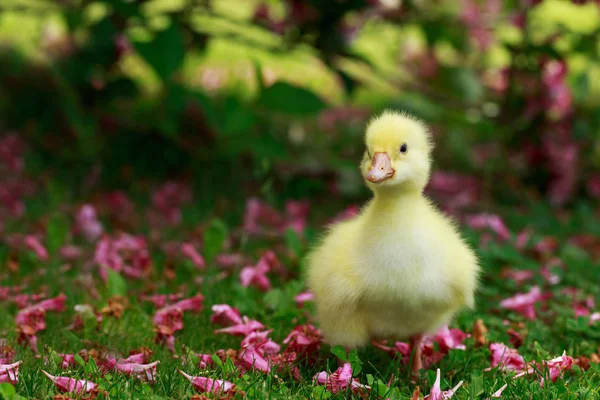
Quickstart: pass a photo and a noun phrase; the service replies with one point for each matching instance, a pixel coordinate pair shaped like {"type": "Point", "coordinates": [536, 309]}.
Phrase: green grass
{"type": "Point", "coordinates": [553, 331]}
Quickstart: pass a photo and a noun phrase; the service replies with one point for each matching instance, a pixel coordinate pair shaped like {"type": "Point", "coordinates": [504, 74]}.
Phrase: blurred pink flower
{"type": "Point", "coordinates": [224, 314]}
{"type": "Point", "coordinates": [557, 366]}
{"type": "Point", "coordinates": [524, 303]}
{"type": "Point", "coordinates": [489, 221]}
{"type": "Point", "coordinates": [229, 260]}
{"type": "Point", "coordinates": [257, 275]}
{"type": "Point", "coordinates": [87, 223]}
{"type": "Point", "coordinates": [118, 205]}
{"type": "Point", "coordinates": [146, 372]}
{"type": "Point", "coordinates": [506, 358]}
{"type": "Point", "coordinates": [207, 385]}
{"type": "Point", "coordinates": [9, 373]}
{"type": "Point", "coordinates": [339, 380]}
{"type": "Point", "coordinates": [161, 300]}
{"type": "Point", "coordinates": [71, 385]}
{"type": "Point", "coordinates": [262, 343]}
{"type": "Point", "coordinates": [169, 198]}
{"type": "Point", "coordinates": [251, 357]}
{"type": "Point", "coordinates": [436, 391]}
{"type": "Point", "coordinates": [11, 152]}
{"type": "Point", "coordinates": [242, 329]}
{"type": "Point", "coordinates": [593, 186]}
{"type": "Point", "coordinates": [450, 339]}
{"type": "Point", "coordinates": [169, 319]}
{"type": "Point", "coordinates": [304, 340]}
{"type": "Point", "coordinates": [204, 360]}
{"type": "Point", "coordinates": [34, 244]}
{"type": "Point", "coordinates": [70, 252]}
{"type": "Point", "coordinates": [260, 218]}
{"type": "Point", "coordinates": [454, 190]}
{"type": "Point", "coordinates": [303, 297]}
{"type": "Point", "coordinates": [190, 252]}
{"type": "Point", "coordinates": [125, 254]}
{"type": "Point", "coordinates": [31, 319]}
{"type": "Point", "coordinates": [517, 276]}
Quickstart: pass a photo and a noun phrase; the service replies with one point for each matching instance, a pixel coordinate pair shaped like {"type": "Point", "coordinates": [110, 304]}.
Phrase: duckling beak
{"type": "Point", "coordinates": [381, 168]}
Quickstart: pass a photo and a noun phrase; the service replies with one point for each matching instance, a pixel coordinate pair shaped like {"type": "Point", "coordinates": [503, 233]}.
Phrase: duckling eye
{"type": "Point", "coordinates": [403, 148]}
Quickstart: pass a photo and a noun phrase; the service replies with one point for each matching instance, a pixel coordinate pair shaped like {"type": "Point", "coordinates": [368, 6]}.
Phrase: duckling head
{"type": "Point", "coordinates": [397, 153]}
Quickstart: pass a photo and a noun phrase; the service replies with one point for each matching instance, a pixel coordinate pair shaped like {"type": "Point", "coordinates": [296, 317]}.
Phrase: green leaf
{"type": "Point", "coordinates": [355, 362]}
{"type": "Point", "coordinates": [216, 360]}
{"type": "Point", "coordinates": [7, 390]}
{"type": "Point", "coordinates": [165, 52]}
{"type": "Point", "coordinates": [91, 366]}
{"type": "Point", "coordinates": [115, 284]}
{"type": "Point", "coordinates": [79, 360]}
{"type": "Point", "coordinates": [339, 352]}
{"type": "Point", "coordinates": [125, 9]}
{"type": "Point", "coordinates": [229, 366]}
{"type": "Point", "coordinates": [214, 238]}
{"type": "Point", "coordinates": [285, 98]}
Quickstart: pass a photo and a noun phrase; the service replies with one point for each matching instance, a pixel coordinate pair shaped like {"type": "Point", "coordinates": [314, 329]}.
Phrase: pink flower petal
{"type": "Point", "coordinates": [498, 393]}
{"type": "Point", "coordinates": [33, 243]}
{"type": "Point", "coordinates": [524, 303]}
{"type": "Point", "coordinates": [450, 339]}
{"type": "Point", "coordinates": [261, 342]}
{"type": "Point", "coordinates": [243, 329]}
{"type": "Point", "coordinates": [339, 380]}
{"type": "Point", "coordinates": [87, 223]}
{"type": "Point", "coordinates": [66, 384]}
{"type": "Point", "coordinates": [143, 371]}
{"type": "Point", "coordinates": [251, 358]}
{"type": "Point", "coordinates": [9, 373]}
{"type": "Point", "coordinates": [506, 358]}
{"type": "Point", "coordinates": [207, 385]}
{"type": "Point", "coordinates": [489, 221]}
{"type": "Point", "coordinates": [303, 298]}
{"type": "Point", "coordinates": [224, 314]}
{"type": "Point", "coordinates": [436, 391]}
{"type": "Point", "coordinates": [190, 252]}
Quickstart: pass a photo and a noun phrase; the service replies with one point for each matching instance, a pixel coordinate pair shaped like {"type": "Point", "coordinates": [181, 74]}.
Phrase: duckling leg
{"type": "Point", "coordinates": [417, 361]}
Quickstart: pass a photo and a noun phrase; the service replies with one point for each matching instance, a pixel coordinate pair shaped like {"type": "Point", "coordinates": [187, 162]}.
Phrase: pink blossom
{"type": "Point", "coordinates": [262, 343]}
{"type": "Point", "coordinates": [304, 340]}
{"type": "Point", "coordinates": [224, 314]}
{"type": "Point", "coordinates": [190, 252]}
{"type": "Point", "coordinates": [436, 391]}
{"type": "Point", "coordinates": [557, 366]}
{"type": "Point", "coordinates": [205, 360]}
{"type": "Point", "coordinates": [506, 358]}
{"type": "Point", "coordinates": [457, 191]}
{"type": "Point", "coordinates": [207, 385]}
{"type": "Point", "coordinates": [34, 244]}
{"type": "Point", "coordinates": [256, 275]}
{"type": "Point", "coordinates": [169, 319]}
{"type": "Point", "coordinates": [450, 339]}
{"type": "Point", "coordinates": [259, 213]}
{"type": "Point", "coordinates": [242, 329]}
{"type": "Point", "coordinates": [161, 300]}
{"type": "Point", "coordinates": [119, 205]}
{"type": "Point", "coordinates": [303, 298]}
{"type": "Point", "coordinates": [66, 384]}
{"type": "Point", "coordinates": [339, 380]}
{"type": "Point", "coordinates": [9, 373]}
{"type": "Point", "coordinates": [124, 254]}
{"type": "Point", "coordinates": [229, 260]}
{"type": "Point", "coordinates": [595, 317]}
{"type": "Point", "coordinates": [489, 221]}
{"type": "Point", "coordinates": [70, 252]}
{"type": "Point", "coordinates": [87, 223]}
{"type": "Point", "coordinates": [145, 372]}
{"type": "Point", "coordinates": [524, 303]}
{"type": "Point", "coordinates": [517, 276]}
{"type": "Point", "coordinates": [169, 198]}
{"type": "Point", "coordinates": [297, 212]}
{"type": "Point", "coordinates": [31, 319]}
{"type": "Point", "coordinates": [251, 357]}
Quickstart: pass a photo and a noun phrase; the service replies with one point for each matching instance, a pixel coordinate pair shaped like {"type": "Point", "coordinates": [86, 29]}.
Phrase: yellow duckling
{"type": "Point", "coordinates": [400, 269]}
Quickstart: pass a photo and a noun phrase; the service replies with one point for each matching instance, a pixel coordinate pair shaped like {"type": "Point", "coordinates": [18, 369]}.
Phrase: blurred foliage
{"type": "Point", "coordinates": [126, 87]}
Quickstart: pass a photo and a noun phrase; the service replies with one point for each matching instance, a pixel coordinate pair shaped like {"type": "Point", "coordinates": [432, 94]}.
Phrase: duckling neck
{"type": "Point", "coordinates": [391, 199]}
